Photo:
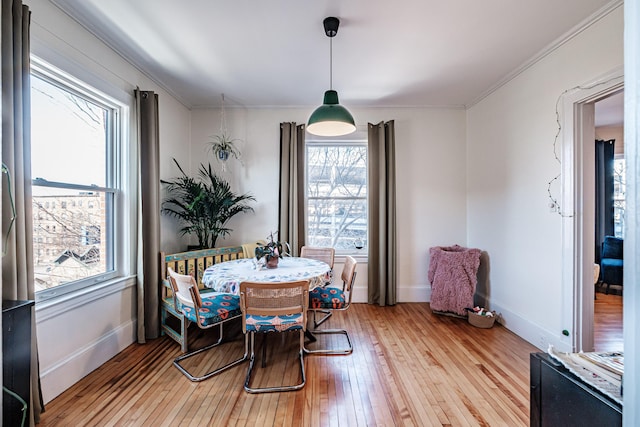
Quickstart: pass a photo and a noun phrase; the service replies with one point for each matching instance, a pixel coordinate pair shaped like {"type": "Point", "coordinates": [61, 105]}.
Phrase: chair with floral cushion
{"type": "Point", "coordinates": [325, 255]}
{"type": "Point", "coordinates": [273, 307]}
{"type": "Point", "coordinates": [214, 309]}
{"type": "Point", "coordinates": [331, 299]}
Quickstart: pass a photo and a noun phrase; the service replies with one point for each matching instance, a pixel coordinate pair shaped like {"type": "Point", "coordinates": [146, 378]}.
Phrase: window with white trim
{"type": "Point", "coordinates": [76, 133]}
{"type": "Point", "coordinates": [336, 180]}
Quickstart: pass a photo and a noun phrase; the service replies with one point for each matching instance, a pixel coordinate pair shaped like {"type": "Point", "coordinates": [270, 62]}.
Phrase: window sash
{"type": "Point", "coordinates": [111, 191]}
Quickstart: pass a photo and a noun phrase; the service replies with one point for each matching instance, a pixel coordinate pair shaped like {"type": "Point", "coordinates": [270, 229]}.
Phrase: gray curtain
{"type": "Point", "coordinates": [605, 151]}
{"type": "Point", "coordinates": [291, 215]}
{"type": "Point", "coordinates": [382, 214]}
{"type": "Point", "coordinates": [148, 216]}
{"type": "Point", "coordinates": [17, 234]}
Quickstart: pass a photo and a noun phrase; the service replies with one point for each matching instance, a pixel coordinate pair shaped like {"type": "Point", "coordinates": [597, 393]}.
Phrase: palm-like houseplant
{"type": "Point", "coordinates": [204, 204]}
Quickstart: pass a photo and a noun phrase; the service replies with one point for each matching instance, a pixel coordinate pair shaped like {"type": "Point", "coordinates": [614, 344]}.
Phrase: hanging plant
{"type": "Point", "coordinates": [222, 145]}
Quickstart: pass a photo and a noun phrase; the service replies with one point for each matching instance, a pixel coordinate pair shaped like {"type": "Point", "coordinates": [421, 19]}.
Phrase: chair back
{"type": "Point", "coordinates": [612, 247]}
{"type": "Point", "coordinates": [181, 285]}
{"type": "Point", "coordinates": [274, 299]}
{"type": "Point", "coordinates": [349, 273]}
{"type": "Point", "coordinates": [325, 255]}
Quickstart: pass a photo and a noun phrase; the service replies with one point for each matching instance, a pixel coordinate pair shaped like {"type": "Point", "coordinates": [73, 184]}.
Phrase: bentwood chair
{"type": "Point", "coordinates": [330, 299]}
{"type": "Point", "coordinates": [325, 255]}
{"type": "Point", "coordinates": [214, 309]}
{"type": "Point", "coordinates": [273, 307]}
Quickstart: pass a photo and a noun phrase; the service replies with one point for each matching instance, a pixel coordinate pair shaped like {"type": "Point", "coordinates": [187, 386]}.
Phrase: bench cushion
{"type": "Point", "coordinates": [215, 309]}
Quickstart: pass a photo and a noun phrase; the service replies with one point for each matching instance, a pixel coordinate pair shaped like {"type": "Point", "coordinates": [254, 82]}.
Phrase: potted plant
{"type": "Point", "coordinates": [272, 251]}
{"type": "Point", "coordinates": [204, 204]}
{"type": "Point", "coordinates": [223, 146]}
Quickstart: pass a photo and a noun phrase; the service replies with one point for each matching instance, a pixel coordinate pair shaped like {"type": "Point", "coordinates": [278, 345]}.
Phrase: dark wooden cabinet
{"type": "Point", "coordinates": [559, 398]}
{"type": "Point", "coordinates": [16, 359]}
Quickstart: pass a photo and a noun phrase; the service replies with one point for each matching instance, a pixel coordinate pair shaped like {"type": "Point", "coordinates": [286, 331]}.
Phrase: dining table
{"type": "Point", "coordinates": [227, 276]}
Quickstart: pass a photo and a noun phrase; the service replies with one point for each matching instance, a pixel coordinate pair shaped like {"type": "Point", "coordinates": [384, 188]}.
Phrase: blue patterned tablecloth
{"type": "Point", "coordinates": [227, 276]}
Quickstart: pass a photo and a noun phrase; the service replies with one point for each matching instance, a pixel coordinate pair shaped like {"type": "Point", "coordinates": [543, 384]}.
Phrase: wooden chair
{"type": "Point", "coordinates": [273, 307]}
{"type": "Point", "coordinates": [331, 299]}
{"type": "Point", "coordinates": [327, 256]}
{"type": "Point", "coordinates": [214, 309]}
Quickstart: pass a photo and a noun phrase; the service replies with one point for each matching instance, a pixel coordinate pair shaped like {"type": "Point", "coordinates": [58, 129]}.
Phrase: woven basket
{"type": "Point", "coordinates": [479, 321]}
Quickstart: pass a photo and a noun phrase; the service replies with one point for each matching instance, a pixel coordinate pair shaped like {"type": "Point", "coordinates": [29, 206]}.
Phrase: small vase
{"type": "Point", "coordinates": [273, 262]}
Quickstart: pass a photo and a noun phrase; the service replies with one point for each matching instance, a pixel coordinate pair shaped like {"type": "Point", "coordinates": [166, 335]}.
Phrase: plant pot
{"type": "Point", "coordinates": [273, 262]}
{"type": "Point", "coordinates": [223, 155]}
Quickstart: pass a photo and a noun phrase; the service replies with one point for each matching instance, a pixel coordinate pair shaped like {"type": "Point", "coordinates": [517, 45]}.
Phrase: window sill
{"type": "Point", "coordinates": [58, 305]}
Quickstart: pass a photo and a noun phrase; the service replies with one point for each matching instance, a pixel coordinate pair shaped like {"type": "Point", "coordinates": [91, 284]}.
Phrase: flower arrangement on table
{"type": "Point", "coordinates": [272, 251]}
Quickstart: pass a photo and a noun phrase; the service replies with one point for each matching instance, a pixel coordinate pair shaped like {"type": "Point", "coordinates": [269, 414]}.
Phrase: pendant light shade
{"type": "Point", "coordinates": [331, 118]}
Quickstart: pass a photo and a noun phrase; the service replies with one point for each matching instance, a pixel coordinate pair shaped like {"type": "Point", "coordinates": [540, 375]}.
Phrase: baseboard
{"type": "Point", "coordinates": [418, 293]}
{"type": "Point", "coordinates": [63, 375]}
{"type": "Point", "coordinates": [527, 330]}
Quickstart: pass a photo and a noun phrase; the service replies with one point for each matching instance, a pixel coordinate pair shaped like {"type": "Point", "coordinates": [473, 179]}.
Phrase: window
{"type": "Point", "coordinates": [75, 137]}
{"type": "Point", "coordinates": [337, 194]}
{"type": "Point", "coordinates": [619, 189]}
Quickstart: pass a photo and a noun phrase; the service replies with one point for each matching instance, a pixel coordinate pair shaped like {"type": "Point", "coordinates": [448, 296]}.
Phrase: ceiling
{"type": "Point", "coordinates": [275, 53]}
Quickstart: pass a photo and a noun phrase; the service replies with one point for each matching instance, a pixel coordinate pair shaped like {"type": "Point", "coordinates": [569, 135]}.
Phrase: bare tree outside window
{"type": "Point", "coordinates": [619, 194]}
{"type": "Point", "coordinates": [71, 139]}
{"type": "Point", "coordinates": [337, 195]}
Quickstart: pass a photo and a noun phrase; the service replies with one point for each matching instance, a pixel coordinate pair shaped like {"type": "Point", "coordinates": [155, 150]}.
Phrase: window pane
{"type": "Point", "coordinates": [73, 204]}
{"type": "Point", "coordinates": [68, 136]}
{"type": "Point", "coordinates": [341, 224]}
{"type": "Point", "coordinates": [69, 235]}
{"type": "Point", "coordinates": [619, 190]}
{"type": "Point", "coordinates": [337, 196]}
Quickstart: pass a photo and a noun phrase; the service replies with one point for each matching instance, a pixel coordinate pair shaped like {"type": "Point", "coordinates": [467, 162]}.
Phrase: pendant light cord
{"type": "Point", "coordinates": [331, 63]}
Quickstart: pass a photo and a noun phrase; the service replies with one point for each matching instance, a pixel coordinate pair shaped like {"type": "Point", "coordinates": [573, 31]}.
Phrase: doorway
{"type": "Point", "coordinates": [578, 221]}
{"type": "Point", "coordinates": [609, 219]}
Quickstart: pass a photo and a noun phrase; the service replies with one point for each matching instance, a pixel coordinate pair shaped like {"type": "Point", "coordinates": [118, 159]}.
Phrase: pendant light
{"type": "Point", "coordinates": [331, 118]}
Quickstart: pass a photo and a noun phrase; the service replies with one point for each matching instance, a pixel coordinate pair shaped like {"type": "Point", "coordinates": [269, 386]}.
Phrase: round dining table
{"type": "Point", "coordinates": [227, 276]}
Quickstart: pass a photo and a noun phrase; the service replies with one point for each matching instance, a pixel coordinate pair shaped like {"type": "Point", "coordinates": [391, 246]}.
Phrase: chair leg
{"type": "Point", "coordinates": [327, 314]}
{"type": "Point", "coordinates": [341, 352]}
{"type": "Point", "coordinates": [177, 360]}
{"type": "Point", "coordinates": [298, 386]}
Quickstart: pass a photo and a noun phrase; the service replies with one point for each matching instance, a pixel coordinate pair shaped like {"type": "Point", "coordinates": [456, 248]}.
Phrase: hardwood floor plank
{"type": "Point", "coordinates": [409, 367]}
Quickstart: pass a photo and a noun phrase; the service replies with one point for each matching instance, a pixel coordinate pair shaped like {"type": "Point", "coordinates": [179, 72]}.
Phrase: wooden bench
{"type": "Point", "coordinates": [193, 263]}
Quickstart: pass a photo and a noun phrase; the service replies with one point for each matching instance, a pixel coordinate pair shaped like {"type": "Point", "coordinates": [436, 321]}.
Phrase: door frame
{"type": "Point", "coordinates": [577, 206]}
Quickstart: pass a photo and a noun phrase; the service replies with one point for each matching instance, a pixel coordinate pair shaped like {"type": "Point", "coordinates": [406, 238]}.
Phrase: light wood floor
{"type": "Point", "coordinates": [409, 368]}
{"type": "Point", "coordinates": [607, 325]}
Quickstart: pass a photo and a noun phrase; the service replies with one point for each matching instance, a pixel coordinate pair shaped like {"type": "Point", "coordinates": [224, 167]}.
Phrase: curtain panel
{"type": "Point", "coordinates": [292, 211]}
{"type": "Point", "coordinates": [604, 193]}
{"type": "Point", "coordinates": [17, 229]}
{"type": "Point", "coordinates": [148, 280]}
{"type": "Point", "coordinates": [382, 214]}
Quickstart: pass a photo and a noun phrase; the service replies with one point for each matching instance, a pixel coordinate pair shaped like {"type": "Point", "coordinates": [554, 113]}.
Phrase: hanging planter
{"type": "Point", "coordinates": [223, 146]}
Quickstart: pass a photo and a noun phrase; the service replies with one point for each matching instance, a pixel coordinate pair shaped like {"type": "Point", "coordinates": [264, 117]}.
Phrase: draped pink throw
{"type": "Point", "coordinates": [453, 276]}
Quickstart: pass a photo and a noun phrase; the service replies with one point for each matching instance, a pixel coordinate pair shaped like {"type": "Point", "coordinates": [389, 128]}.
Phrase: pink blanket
{"type": "Point", "coordinates": [453, 276]}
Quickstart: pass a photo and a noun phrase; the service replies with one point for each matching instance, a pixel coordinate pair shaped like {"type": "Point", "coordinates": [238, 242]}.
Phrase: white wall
{"type": "Point", "coordinates": [431, 179]}
{"type": "Point", "coordinates": [510, 137]}
{"type": "Point", "coordinates": [78, 334]}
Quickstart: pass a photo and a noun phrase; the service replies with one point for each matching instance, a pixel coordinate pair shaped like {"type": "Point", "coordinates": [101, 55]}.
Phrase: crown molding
{"type": "Point", "coordinates": [575, 31]}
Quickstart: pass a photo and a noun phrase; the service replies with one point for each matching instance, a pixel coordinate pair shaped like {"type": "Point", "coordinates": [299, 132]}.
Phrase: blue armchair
{"type": "Point", "coordinates": [611, 263]}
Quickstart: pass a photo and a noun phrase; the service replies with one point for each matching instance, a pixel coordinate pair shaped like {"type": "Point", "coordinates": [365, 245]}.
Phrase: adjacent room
{"type": "Point", "coordinates": [319, 213]}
